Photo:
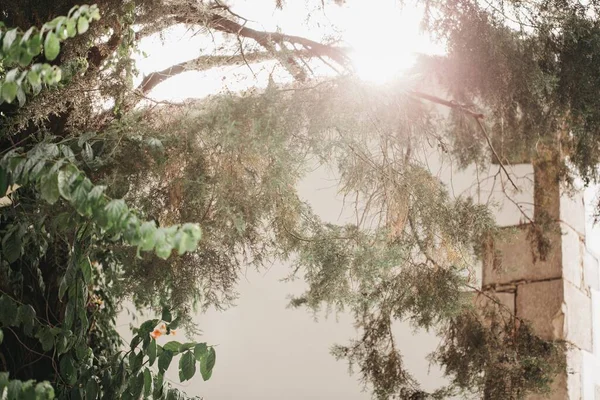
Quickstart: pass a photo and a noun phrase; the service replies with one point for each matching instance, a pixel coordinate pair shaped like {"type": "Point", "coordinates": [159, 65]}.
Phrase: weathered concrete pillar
{"type": "Point", "coordinates": [545, 269]}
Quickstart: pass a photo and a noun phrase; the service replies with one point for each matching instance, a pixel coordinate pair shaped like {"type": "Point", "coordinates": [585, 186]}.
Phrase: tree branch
{"type": "Point", "coordinates": [269, 40]}
{"type": "Point", "coordinates": [204, 63]}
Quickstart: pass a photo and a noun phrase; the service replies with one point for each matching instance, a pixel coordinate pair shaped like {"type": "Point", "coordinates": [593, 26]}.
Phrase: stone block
{"type": "Point", "coordinates": [590, 375]}
{"type": "Point", "coordinates": [574, 374]}
{"type": "Point", "coordinates": [596, 324]}
{"type": "Point", "coordinates": [515, 260]}
{"type": "Point", "coordinates": [573, 251]}
{"type": "Point", "coordinates": [591, 271]}
{"type": "Point", "coordinates": [572, 211]}
{"type": "Point", "coordinates": [578, 317]}
{"type": "Point", "coordinates": [541, 303]}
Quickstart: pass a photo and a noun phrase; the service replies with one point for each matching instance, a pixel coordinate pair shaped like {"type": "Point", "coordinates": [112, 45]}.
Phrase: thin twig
{"type": "Point", "coordinates": [489, 142]}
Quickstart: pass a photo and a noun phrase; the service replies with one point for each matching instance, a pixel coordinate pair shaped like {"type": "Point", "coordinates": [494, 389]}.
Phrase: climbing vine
{"type": "Point", "coordinates": [67, 319]}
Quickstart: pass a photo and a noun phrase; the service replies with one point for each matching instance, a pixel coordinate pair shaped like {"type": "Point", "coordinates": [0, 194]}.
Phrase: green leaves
{"type": "Point", "coordinates": [164, 360]}
{"type": "Point", "coordinates": [67, 369]}
{"type": "Point", "coordinates": [208, 363]}
{"type": "Point", "coordinates": [147, 382]}
{"type": "Point", "coordinates": [49, 188]}
{"type": "Point", "coordinates": [115, 211]}
{"type": "Point", "coordinates": [58, 177]}
{"type": "Point", "coordinates": [15, 389]}
{"type": "Point", "coordinates": [207, 358]}
{"type": "Point", "coordinates": [172, 346]}
{"type": "Point", "coordinates": [8, 311]}
{"type": "Point", "coordinates": [4, 181]}
{"type": "Point", "coordinates": [12, 246]}
{"type": "Point", "coordinates": [166, 315]}
{"type": "Point", "coordinates": [26, 318]}
{"type": "Point", "coordinates": [9, 91]}
{"type": "Point", "coordinates": [82, 25]}
{"type": "Point", "coordinates": [200, 351]}
{"type": "Point", "coordinates": [187, 366]}
{"type": "Point", "coordinates": [91, 389]}
{"type": "Point", "coordinates": [51, 46]}
{"type": "Point", "coordinates": [19, 48]}
{"type": "Point", "coordinates": [151, 351]}
{"type": "Point", "coordinates": [46, 338]}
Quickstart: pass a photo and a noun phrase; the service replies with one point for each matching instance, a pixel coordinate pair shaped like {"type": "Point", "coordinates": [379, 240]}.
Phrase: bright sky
{"type": "Point", "coordinates": [384, 35]}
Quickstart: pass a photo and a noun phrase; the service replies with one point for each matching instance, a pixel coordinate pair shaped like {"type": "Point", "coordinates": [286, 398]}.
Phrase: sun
{"type": "Point", "coordinates": [385, 39]}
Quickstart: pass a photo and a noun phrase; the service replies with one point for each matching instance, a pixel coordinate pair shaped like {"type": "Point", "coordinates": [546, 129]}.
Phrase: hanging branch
{"type": "Point", "coordinates": [476, 116]}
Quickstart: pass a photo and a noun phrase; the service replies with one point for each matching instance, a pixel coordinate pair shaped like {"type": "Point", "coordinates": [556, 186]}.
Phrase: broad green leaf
{"type": "Point", "coordinates": [21, 96]}
{"type": "Point", "coordinates": [166, 315]}
{"type": "Point", "coordinates": [70, 25]}
{"type": "Point", "coordinates": [46, 338]}
{"type": "Point", "coordinates": [62, 343]}
{"type": "Point", "coordinates": [135, 341]}
{"type": "Point", "coordinates": [137, 385]}
{"type": "Point", "coordinates": [69, 314]}
{"type": "Point", "coordinates": [200, 351]}
{"type": "Point", "coordinates": [147, 327]}
{"type": "Point", "coordinates": [147, 382]}
{"type": "Point", "coordinates": [9, 91]}
{"type": "Point", "coordinates": [49, 188]}
{"type": "Point", "coordinates": [187, 366]}
{"type": "Point", "coordinates": [157, 392]}
{"type": "Point", "coordinates": [14, 390]}
{"type": "Point", "coordinates": [12, 246]}
{"type": "Point", "coordinates": [62, 287]}
{"type": "Point", "coordinates": [91, 389]}
{"type": "Point", "coordinates": [51, 46]}
{"type": "Point", "coordinates": [136, 362]}
{"type": "Point", "coordinates": [175, 323]}
{"type": "Point", "coordinates": [26, 318]}
{"type": "Point", "coordinates": [115, 210]}
{"type": "Point", "coordinates": [147, 233]}
{"type": "Point", "coordinates": [35, 81]}
{"type": "Point", "coordinates": [172, 346]}
{"type": "Point", "coordinates": [27, 35]}
{"type": "Point", "coordinates": [82, 25]}
{"type": "Point", "coordinates": [207, 364]}
{"type": "Point", "coordinates": [164, 360]}
{"type": "Point", "coordinates": [88, 152]}
{"type": "Point", "coordinates": [151, 352]}
{"type": "Point", "coordinates": [86, 269]}
{"type": "Point", "coordinates": [4, 181]}
{"type": "Point", "coordinates": [28, 390]}
{"type": "Point", "coordinates": [79, 196]}
{"type": "Point", "coordinates": [94, 12]}
{"type": "Point", "coordinates": [67, 369]}
{"type": "Point", "coordinates": [1, 336]}
{"type": "Point", "coordinates": [34, 45]}
{"type": "Point", "coordinates": [25, 59]}
{"type": "Point", "coordinates": [81, 350]}
{"type": "Point", "coordinates": [64, 179]}
{"type": "Point", "coordinates": [9, 39]}
{"type": "Point", "coordinates": [163, 245]}
{"type": "Point", "coordinates": [187, 238]}
{"type": "Point", "coordinates": [54, 23]}
{"type": "Point", "coordinates": [44, 390]}
{"type": "Point", "coordinates": [186, 346]}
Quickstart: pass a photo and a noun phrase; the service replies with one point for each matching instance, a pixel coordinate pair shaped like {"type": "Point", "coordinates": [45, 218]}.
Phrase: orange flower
{"type": "Point", "coordinates": [159, 330]}
{"type": "Point", "coordinates": [155, 334]}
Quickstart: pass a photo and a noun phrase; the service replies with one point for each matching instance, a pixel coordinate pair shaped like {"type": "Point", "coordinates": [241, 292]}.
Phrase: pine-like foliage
{"type": "Point", "coordinates": [165, 204]}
